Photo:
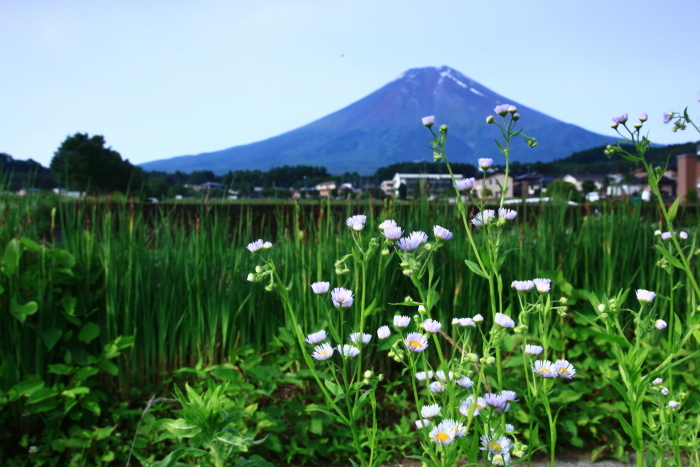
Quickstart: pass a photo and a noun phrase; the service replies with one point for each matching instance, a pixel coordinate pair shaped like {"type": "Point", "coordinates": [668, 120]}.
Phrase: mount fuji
{"type": "Point", "coordinates": [385, 128]}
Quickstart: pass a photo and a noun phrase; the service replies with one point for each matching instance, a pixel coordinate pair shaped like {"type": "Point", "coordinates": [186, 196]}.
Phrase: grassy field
{"type": "Point", "coordinates": [135, 297]}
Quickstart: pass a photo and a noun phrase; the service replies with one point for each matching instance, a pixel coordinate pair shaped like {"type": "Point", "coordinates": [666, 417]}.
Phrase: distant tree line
{"type": "Point", "coordinates": [84, 163]}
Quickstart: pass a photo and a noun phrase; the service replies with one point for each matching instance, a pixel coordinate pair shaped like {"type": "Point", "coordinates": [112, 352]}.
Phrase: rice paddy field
{"type": "Point", "coordinates": [108, 309]}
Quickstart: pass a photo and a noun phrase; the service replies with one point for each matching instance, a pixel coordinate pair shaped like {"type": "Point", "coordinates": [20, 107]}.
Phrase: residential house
{"type": "Point", "coordinates": [433, 185]}
{"type": "Point", "coordinates": [688, 173]}
{"type": "Point", "coordinates": [387, 186]}
{"type": "Point", "coordinates": [579, 179]}
{"type": "Point", "coordinates": [491, 186]}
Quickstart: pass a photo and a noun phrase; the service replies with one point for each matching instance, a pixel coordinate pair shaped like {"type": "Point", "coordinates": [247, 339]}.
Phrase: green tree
{"type": "Point", "coordinates": [83, 162]}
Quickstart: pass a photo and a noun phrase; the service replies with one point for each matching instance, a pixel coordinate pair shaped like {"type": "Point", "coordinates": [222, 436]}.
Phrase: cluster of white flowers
{"type": "Point", "coordinates": [552, 370]}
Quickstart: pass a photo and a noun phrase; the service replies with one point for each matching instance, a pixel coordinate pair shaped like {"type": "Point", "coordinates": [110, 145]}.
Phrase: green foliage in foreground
{"type": "Point", "coordinates": [93, 274]}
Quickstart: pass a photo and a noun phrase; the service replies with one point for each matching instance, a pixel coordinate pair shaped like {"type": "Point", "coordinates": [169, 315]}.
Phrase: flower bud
{"type": "Point", "coordinates": [380, 377]}
{"type": "Point", "coordinates": [563, 300]}
{"type": "Point", "coordinates": [490, 360]}
{"type": "Point", "coordinates": [601, 308]}
{"type": "Point", "coordinates": [490, 119]}
{"type": "Point", "coordinates": [397, 359]}
{"type": "Point", "coordinates": [385, 251]}
{"type": "Point", "coordinates": [472, 357]}
{"type": "Point", "coordinates": [437, 157]}
{"type": "Point", "coordinates": [251, 277]}
{"type": "Point", "coordinates": [516, 117]}
{"type": "Point", "coordinates": [339, 272]}
{"type": "Point", "coordinates": [604, 315]}
{"type": "Point", "coordinates": [443, 129]}
{"type": "Point", "coordinates": [368, 374]}
{"type": "Point", "coordinates": [391, 354]}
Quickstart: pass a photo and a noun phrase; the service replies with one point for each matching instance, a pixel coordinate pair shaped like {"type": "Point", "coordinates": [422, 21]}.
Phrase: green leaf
{"type": "Point", "coordinates": [89, 332]}
{"type": "Point", "coordinates": [30, 244]}
{"type": "Point", "coordinates": [12, 254]}
{"type": "Point", "coordinates": [475, 268]}
{"type": "Point", "coordinates": [673, 210]}
{"type": "Point", "coordinates": [22, 311]}
{"type": "Point", "coordinates": [330, 414]}
{"type": "Point", "coordinates": [316, 426]}
{"type": "Point", "coordinates": [332, 387]}
{"type": "Point", "coordinates": [41, 394]}
{"type": "Point", "coordinates": [667, 254]}
{"type": "Point", "coordinates": [51, 337]}
{"type": "Point", "coordinates": [83, 374]}
{"type": "Point", "coordinates": [620, 389]}
{"type": "Point", "coordinates": [621, 341]}
{"type": "Point", "coordinates": [61, 369]}
{"type": "Point", "coordinates": [75, 391]}
{"type": "Point", "coordinates": [68, 302]}
{"type": "Point", "coordinates": [566, 396]}
{"type": "Point", "coordinates": [25, 388]}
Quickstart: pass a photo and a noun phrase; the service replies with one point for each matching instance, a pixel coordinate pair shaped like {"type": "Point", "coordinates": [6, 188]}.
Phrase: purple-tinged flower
{"type": "Point", "coordinates": [465, 184]}
{"type": "Point", "coordinates": [342, 298]}
{"type": "Point", "coordinates": [509, 428]}
{"type": "Point", "coordinates": [494, 400]}
{"type": "Point", "coordinates": [441, 233]}
{"type": "Point", "coordinates": [620, 118]}
{"type": "Point", "coordinates": [657, 233]}
{"type": "Point", "coordinates": [255, 246]}
{"type": "Point", "coordinates": [419, 235]}
{"type": "Point", "coordinates": [464, 322]}
{"type": "Point", "coordinates": [485, 163]}
{"type": "Point", "coordinates": [533, 349]}
{"type": "Point", "coordinates": [504, 321]}
{"type": "Point", "coordinates": [466, 406]}
{"type": "Point", "coordinates": [441, 376]}
{"type": "Point", "coordinates": [392, 232]}
{"type": "Point", "coordinates": [509, 396]}
{"type": "Point", "coordinates": [512, 109]}
{"type": "Point", "coordinates": [637, 125]}
{"type": "Point", "coordinates": [323, 352]}
{"type": "Point", "coordinates": [507, 214]}
{"type": "Point", "coordinates": [429, 121]}
{"type": "Point", "coordinates": [657, 381]}
{"type": "Point", "coordinates": [442, 434]}
{"type": "Point", "coordinates": [356, 222]}
{"type": "Point", "coordinates": [423, 375]}
{"type": "Point", "coordinates": [666, 236]}
{"type": "Point", "coordinates": [667, 117]}
{"type": "Point", "coordinates": [432, 326]}
{"type": "Point", "coordinates": [545, 368]}
{"type": "Point", "coordinates": [436, 386]}
{"type": "Point", "coordinates": [383, 332]}
{"type": "Point", "coordinates": [456, 427]}
{"type": "Point", "coordinates": [387, 223]}
{"type": "Point", "coordinates": [565, 369]}
{"type": "Point", "coordinates": [673, 404]}
{"type": "Point", "coordinates": [643, 117]}
{"type": "Point", "coordinates": [316, 337]}
{"type": "Point", "coordinates": [267, 245]}
{"type": "Point", "coordinates": [416, 342]}
{"type": "Point", "coordinates": [465, 382]}
{"type": "Point", "coordinates": [542, 285]}
{"type": "Point", "coordinates": [349, 351]}
{"type": "Point", "coordinates": [683, 235]}
{"type": "Point", "coordinates": [422, 423]}
{"type": "Point", "coordinates": [502, 109]}
{"type": "Point", "coordinates": [645, 296]}
{"type": "Point", "coordinates": [401, 321]}
{"type": "Point", "coordinates": [430, 411]}
{"type": "Point", "coordinates": [320, 287]}
{"type": "Point", "coordinates": [355, 338]}
{"type": "Point", "coordinates": [665, 391]}
{"type": "Point", "coordinates": [522, 286]}
{"type": "Point", "coordinates": [478, 318]}
{"type": "Point", "coordinates": [409, 244]}
{"type": "Point", "coordinates": [660, 324]}
{"type": "Point", "coordinates": [483, 217]}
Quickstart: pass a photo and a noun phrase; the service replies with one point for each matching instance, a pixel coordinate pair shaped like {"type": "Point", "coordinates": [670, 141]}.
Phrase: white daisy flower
{"type": "Point", "coordinates": [533, 349]}
{"type": "Point", "coordinates": [442, 434]}
{"type": "Point", "coordinates": [423, 375]}
{"type": "Point", "coordinates": [401, 321]}
{"type": "Point", "coordinates": [432, 326]}
{"type": "Point", "coordinates": [465, 382]}
{"type": "Point", "coordinates": [504, 321]}
{"type": "Point", "coordinates": [349, 351]}
{"type": "Point", "coordinates": [355, 338]}
{"type": "Point", "coordinates": [323, 352]}
{"type": "Point", "coordinates": [316, 337]}
{"type": "Point", "coordinates": [436, 386]}
{"type": "Point", "coordinates": [383, 332]}
{"type": "Point", "coordinates": [545, 368]}
{"type": "Point", "coordinates": [430, 411]}
{"type": "Point", "coordinates": [416, 342]}
{"type": "Point", "coordinates": [565, 369]}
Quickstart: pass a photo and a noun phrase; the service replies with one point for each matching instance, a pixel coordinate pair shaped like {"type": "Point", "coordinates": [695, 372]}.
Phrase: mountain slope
{"type": "Point", "coordinates": [385, 128]}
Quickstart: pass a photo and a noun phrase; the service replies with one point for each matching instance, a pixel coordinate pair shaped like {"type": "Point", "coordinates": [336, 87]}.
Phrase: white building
{"type": "Point", "coordinates": [431, 184]}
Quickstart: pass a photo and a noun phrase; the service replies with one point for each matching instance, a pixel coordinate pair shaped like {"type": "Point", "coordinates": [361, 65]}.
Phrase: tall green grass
{"type": "Point", "coordinates": [176, 280]}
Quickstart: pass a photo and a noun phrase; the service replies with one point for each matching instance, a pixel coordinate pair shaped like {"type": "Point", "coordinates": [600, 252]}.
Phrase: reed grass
{"type": "Point", "coordinates": [177, 281]}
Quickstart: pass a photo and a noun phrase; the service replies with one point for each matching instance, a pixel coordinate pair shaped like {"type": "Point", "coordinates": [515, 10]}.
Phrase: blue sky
{"type": "Point", "coordinates": [166, 78]}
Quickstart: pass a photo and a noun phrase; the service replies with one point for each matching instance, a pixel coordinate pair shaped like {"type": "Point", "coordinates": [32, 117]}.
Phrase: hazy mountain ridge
{"type": "Point", "coordinates": [385, 128]}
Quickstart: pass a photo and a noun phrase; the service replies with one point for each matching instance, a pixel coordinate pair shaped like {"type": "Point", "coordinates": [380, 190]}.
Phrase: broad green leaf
{"type": "Point", "coordinates": [75, 391]}
{"type": "Point", "coordinates": [61, 369]}
{"type": "Point", "coordinates": [40, 395]}
{"type": "Point", "coordinates": [25, 388]}
{"type": "Point", "coordinates": [22, 311]}
{"type": "Point", "coordinates": [333, 388]}
{"type": "Point", "coordinates": [83, 374]}
{"type": "Point", "coordinates": [68, 302]}
{"type": "Point", "coordinates": [30, 244]}
{"type": "Point", "coordinates": [51, 337]}
{"type": "Point", "coordinates": [12, 254]}
{"type": "Point", "coordinates": [89, 332]}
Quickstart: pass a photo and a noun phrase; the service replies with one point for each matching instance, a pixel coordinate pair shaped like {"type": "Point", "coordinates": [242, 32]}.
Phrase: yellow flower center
{"type": "Point", "coordinates": [442, 437]}
{"type": "Point", "coordinates": [494, 447]}
{"type": "Point", "coordinates": [479, 406]}
{"type": "Point", "coordinates": [545, 370]}
{"type": "Point", "coordinates": [414, 344]}
{"type": "Point", "coordinates": [563, 370]}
